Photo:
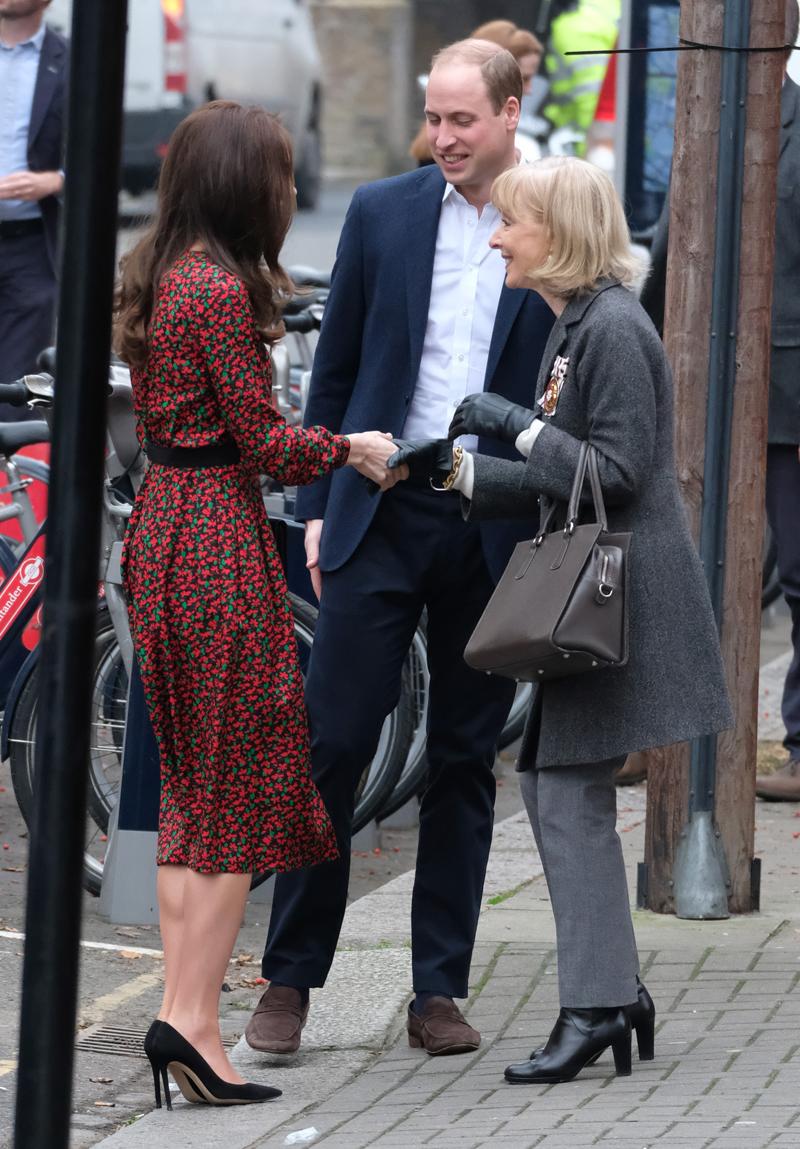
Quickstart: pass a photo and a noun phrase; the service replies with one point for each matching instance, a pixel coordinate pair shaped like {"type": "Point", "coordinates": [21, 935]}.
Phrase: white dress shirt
{"type": "Point", "coordinates": [467, 280]}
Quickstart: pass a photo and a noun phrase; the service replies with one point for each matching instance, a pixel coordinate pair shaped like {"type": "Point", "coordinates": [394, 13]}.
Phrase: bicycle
{"type": "Point", "coordinates": [21, 593]}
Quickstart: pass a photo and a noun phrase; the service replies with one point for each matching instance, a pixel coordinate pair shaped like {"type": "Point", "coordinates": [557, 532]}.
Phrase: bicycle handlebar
{"type": "Point", "coordinates": [303, 276]}
{"type": "Point", "coordinates": [297, 303]}
{"type": "Point", "coordinates": [301, 324]}
{"type": "Point", "coordinates": [15, 393]}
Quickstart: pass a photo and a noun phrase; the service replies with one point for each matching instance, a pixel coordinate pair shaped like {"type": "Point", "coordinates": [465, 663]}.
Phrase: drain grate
{"type": "Point", "coordinates": [121, 1042]}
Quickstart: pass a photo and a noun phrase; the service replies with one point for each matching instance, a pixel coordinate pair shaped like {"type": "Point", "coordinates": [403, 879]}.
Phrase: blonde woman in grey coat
{"type": "Point", "coordinates": [604, 380]}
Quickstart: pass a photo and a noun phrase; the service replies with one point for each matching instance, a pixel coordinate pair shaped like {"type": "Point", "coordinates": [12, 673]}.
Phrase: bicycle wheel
{"type": "Point", "coordinates": [105, 757]}
{"type": "Point", "coordinates": [517, 716]}
{"type": "Point", "coordinates": [412, 777]}
{"type": "Point", "coordinates": [109, 715]}
{"type": "Point", "coordinates": [380, 777]}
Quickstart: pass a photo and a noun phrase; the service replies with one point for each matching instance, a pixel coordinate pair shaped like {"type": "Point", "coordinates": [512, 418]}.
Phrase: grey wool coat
{"type": "Point", "coordinates": [617, 394]}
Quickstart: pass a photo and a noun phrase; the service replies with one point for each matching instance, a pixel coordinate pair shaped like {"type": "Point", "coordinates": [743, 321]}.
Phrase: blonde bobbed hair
{"type": "Point", "coordinates": [577, 202]}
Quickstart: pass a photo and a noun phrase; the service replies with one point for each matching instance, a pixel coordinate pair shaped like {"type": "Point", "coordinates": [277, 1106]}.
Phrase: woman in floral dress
{"type": "Point", "coordinates": [210, 617]}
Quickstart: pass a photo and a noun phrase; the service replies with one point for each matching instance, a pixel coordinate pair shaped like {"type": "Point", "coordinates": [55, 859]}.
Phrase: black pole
{"type": "Point", "coordinates": [50, 969]}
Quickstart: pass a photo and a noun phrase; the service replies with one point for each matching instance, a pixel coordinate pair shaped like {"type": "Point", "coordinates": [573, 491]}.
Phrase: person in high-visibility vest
{"type": "Point", "coordinates": [581, 26]}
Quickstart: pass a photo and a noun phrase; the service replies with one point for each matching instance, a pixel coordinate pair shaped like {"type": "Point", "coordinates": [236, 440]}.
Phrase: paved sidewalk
{"type": "Point", "coordinates": [727, 1068]}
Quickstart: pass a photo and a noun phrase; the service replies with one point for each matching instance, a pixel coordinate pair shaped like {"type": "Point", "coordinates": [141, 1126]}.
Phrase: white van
{"type": "Point", "coordinates": [181, 53]}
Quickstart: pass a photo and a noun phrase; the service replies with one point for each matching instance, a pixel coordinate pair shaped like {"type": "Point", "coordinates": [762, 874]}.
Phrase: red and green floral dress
{"type": "Point", "coordinates": [211, 621]}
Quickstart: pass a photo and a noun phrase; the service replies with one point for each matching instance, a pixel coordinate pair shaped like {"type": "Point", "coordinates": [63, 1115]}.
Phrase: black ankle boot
{"type": "Point", "coordinates": [642, 1016]}
{"type": "Point", "coordinates": [578, 1036]}
{"type": "Point", "coordinates": [166, 1050]}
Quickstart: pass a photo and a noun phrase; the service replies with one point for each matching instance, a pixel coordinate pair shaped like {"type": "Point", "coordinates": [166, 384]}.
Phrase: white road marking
{"type": "Point", "coordinates": [16, 936]}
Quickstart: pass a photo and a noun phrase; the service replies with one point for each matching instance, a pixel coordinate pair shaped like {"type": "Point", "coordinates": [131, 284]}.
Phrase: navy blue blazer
{"type": "Point", "coordinates": [367, 360]}
{"type": "Point", "coordinates": [46, 130]}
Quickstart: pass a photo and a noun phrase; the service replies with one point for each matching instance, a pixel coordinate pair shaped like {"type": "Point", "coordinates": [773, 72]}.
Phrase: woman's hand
{"type": "Point", "coordinates": [490, 415]}
{"type": "Point", "coordinates": [369, 452]}
{"type": "Point", "coordinates": [423, 458]}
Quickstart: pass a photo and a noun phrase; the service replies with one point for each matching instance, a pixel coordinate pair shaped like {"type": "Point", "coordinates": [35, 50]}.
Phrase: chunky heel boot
{"type": "Point", "coordinates": [621, 1048]}
{"type": "Point", "coordinates": [578, 1038]}
{"type": "Point", "coordinates": [197, 1081]}
{"type": "Point", "coordinates": [642, 1016]}
{"type": "Point", "coordinates": [643, 1021]}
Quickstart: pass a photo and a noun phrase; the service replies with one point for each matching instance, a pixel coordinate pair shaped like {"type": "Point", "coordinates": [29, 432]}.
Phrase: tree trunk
{"type": "Point", "coordinates": [694, 207]}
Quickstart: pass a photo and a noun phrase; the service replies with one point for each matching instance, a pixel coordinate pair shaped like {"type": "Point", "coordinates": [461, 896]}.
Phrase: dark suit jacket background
{"type": "Point", "coordinates": [47, 128]}
{"type": "Point", "coordinates": [784, 389]}
{"type": "Point", "coordinates": [367, 360]}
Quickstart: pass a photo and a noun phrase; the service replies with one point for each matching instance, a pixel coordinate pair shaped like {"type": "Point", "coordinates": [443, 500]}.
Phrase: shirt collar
{"type": "Point", "coordinates": [450, 188]}
{"type": "Point", "coordinates": [35, 41]}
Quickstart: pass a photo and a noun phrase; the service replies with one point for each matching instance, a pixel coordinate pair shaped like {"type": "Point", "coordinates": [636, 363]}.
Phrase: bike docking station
{"type": "Point", "coordinates": [128, 891]}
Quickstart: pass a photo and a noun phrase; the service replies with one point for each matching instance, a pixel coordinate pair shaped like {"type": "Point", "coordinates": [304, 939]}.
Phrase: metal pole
{"type": "Point", "coordinates": [701, 880]}
{"type": "Point", "coordinates": [50, 970]}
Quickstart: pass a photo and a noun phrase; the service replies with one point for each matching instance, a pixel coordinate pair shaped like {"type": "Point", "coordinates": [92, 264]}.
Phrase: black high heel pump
{"type": "Point", "coordinates": [167, 1051]}
{"type": "Point", "coordinates": [642, 1015]}
{"type": "Point", "coordinates": [578, 1036]}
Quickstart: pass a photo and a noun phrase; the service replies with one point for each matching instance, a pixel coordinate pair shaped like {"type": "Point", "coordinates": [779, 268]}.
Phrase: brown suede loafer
{"type": "Point", "coordinates": [441, 1029]}
{"type": "Point", "coordinates": [783, 785]}
{"type": "Point", "coordinates": [278, 1019]}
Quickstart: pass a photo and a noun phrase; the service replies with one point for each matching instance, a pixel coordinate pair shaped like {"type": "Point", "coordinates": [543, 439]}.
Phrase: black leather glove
{"type": "Point", "coordinates": [425, 458]}
{"type": "Point", "coordinates": [490, 415]}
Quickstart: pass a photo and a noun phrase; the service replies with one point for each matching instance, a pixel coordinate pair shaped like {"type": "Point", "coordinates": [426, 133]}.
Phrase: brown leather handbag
{"type": "Point", "coordinates": [560, 605]}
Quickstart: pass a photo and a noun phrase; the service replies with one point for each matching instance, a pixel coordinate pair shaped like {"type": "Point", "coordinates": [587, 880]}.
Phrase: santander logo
{"type": "Point", "coordinates": [32, 571]}
{"type": "Point", "coordinates": [21, 586]}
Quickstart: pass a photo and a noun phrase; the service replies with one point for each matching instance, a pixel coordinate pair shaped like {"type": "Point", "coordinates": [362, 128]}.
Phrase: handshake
{"type": "Point", "coordinates": [421, 459]}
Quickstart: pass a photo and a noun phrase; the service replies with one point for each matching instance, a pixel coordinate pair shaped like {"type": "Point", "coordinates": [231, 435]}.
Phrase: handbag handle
{"type": "Point", "coordinates": [587, 460]}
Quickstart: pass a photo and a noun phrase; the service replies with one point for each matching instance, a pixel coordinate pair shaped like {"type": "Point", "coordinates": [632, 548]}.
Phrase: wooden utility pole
{"type": "Point", "coordinates": [734, 432]}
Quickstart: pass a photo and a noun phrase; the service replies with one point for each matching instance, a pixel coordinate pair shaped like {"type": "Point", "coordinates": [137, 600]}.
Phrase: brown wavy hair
{"type": "Point", "coordinates": [227, 185]}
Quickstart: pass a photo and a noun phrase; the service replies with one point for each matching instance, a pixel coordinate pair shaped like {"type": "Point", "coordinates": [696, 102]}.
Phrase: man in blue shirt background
{"type": "Point", "coordinates": [33, 71]}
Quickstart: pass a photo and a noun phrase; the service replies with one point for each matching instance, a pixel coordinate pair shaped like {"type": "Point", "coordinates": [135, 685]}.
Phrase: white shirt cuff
{"type": "Point", "coordinates": [465, 479]}
{"type": "Point", "coordinates": [525, 439]}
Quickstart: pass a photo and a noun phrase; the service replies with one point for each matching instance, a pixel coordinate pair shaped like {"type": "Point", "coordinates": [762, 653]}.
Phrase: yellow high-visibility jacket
{"type": "Point", "coordinates": [575, 81]}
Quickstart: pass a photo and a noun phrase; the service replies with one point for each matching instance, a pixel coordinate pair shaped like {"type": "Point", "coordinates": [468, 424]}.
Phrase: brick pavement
{"type": "Point", "coordinates": [727, 1067]}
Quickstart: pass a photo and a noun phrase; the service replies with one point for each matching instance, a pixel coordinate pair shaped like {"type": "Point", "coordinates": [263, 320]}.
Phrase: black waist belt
{"type": "Point", "coordinates": [14, 228]}
{"type": "Point", "coordinates": [225, 454]}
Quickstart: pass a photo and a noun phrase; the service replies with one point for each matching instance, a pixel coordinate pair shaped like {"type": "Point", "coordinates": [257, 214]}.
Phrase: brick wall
{"type": "Point", "coordinates": [366, 50]}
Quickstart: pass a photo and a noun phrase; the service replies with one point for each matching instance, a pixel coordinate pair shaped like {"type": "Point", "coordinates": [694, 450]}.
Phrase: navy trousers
{"type": "Point", "coordinates": [27, 311]}
{"type": "Point", "coordinates": [417, 553]}
{"type": "Point", "coordinates": [783, 513]}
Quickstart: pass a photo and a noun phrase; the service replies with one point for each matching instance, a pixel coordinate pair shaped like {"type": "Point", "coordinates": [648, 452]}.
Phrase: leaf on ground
{"type": "Point", "coordinates": [243, 959]}
{"type": "Point", "coordinates": [101, 1080]}
{"type": "Point", "coordinates": [130, 955]}
{"type": "Point", "coordinates": [127, 932]}
{"type": "Point", "coordinates": [105, 1104]}
{"type": "Point", "coordinates": [13, 869]}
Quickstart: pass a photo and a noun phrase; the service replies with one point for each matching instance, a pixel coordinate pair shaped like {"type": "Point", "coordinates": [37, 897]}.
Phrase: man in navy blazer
{"type": "Point", "coordinates": [33, 74]}
{"type": "Point", "coordinates": [418, 316]}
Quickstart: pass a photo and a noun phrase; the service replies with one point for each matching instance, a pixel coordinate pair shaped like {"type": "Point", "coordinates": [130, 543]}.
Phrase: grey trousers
{"type": "Point", "coordinates": [573, 813]}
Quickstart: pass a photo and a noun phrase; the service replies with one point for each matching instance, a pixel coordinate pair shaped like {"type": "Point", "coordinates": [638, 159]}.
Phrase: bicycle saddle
{"type": "Point", "coordinates": [16, 435]}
